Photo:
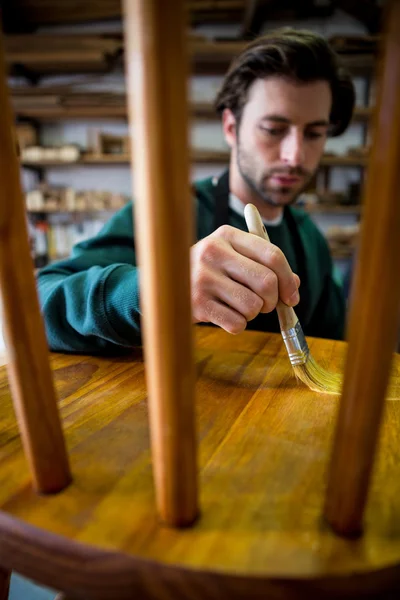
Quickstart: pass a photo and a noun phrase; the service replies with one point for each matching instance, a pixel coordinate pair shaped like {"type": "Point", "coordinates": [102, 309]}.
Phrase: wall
{"type": "Point", "coordinates": [203, 134]}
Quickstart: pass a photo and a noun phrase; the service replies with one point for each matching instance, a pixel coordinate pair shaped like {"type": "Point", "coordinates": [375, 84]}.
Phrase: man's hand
{"type": "Point", "coordinates": [236, 275]}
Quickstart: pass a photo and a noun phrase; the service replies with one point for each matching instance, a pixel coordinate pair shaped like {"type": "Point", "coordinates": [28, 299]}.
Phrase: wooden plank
{"type": "Point", "coordinates": [50, 42]}
{"type": "Point", "coordinates": [201, 156]}
{"type": "Point", "coordinates": [344, 161]}
{"type": "Point", "coordinates": [362, 113]}
{"type": "Point", "coordinates": [157, 103]}
{"type": "Point", "coordinates": [33, 13]}
{"type": "Point", "coordinates": [45, 53]}
{"type": "Point", "coordinates": [335, 209]}
{"type": "Point", "coordinates": [309, 208]}
{"type": "Point", "coordinates": [374, 315]}
{"type": "Point", "coordinates": [197, 155]}
{"type": "Point", "coordinates": [56, 102]}
{"type": "Point", "coordinates": [82, 53]}
{"type": "Point", "coordinates": [42, 12]}
{"type": "Point", "coordinates": [35, 401]}
{"type": "Point", "coordinates": [264, 446]}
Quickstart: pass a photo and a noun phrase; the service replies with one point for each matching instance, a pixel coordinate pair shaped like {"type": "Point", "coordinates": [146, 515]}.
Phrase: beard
{"type": "Point", "coordinates": [257, 180]}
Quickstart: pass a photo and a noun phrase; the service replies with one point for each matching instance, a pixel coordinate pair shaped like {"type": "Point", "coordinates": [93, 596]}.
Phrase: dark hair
{"type": "Point", "coordinates": [299, 55]}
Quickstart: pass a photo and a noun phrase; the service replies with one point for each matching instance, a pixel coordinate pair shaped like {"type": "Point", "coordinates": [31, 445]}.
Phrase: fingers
{"type": "Point", "coordinates": [258, 278]}
{"type": "Point", "coordinates": [223, 316]}
{"type": "Point", "coordinates": [240, 298]}
{"type": "Point", "coordinates": [266, 254]}
{"type": "Point", "coordinates": [235, 276]}
{"type": "Point", "coordinates": [213, 285]}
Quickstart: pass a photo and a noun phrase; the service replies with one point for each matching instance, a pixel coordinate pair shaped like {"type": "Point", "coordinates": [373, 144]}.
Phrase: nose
{"type": "Point", "coordinates": [292, 149]}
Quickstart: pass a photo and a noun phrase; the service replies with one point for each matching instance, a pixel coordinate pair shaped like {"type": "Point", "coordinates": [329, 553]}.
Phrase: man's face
{"type": "Point", "coordinates": [281, 136]}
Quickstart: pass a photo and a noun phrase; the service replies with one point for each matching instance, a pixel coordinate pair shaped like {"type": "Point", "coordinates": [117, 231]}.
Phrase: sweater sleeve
{"type": "Point", "coordinates": [90, 302]}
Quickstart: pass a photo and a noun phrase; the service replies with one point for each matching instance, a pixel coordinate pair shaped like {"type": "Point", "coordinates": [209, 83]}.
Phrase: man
{"type": "Point", "coordinates": [279, 101]}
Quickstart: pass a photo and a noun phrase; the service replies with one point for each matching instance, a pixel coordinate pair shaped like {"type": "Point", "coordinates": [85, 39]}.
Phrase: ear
{"type": "Point", "coordinates": [229, 127]}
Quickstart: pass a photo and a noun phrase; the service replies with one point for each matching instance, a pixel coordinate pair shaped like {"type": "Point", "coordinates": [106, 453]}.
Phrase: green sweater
{"type": "Point", "coordinates": [91, 303]}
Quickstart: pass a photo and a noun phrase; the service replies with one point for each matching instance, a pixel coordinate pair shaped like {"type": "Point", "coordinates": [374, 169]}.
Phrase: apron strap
{"type": "Point", "coordinates": [221, 216]}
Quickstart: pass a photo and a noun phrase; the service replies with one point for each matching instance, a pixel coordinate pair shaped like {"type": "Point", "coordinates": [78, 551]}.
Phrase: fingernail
{"type": "Point", "coordinates": [294, 298]}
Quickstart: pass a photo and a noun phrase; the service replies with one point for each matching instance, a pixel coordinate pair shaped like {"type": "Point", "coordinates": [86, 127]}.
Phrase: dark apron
{"type": "Point", "coordinates": [264, 322]}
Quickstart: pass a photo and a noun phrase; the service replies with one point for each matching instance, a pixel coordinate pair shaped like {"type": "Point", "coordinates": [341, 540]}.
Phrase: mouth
{"type": "Point", "coordinates": [285, 181]}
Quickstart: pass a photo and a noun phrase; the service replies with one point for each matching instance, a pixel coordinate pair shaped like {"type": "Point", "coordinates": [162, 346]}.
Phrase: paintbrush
{"type": "Point", "coordinates": [305, 367]}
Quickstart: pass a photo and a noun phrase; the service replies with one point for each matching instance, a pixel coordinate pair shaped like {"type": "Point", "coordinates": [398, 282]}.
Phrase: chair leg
{"type": "Point", "coordinates": [4, 583]}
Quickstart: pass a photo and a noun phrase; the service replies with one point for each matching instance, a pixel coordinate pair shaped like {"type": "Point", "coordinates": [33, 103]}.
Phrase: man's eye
{"type": "Point", "coordinates": [275, 132]}
{"type": "Point", "coordinates": [313, 135]}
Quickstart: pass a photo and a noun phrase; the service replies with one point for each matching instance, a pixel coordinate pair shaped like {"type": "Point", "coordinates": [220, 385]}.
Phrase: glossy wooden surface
{"type": "Point", "coordinates": [374, 314]}
{"type": "Point", "coordinates": [264, 447]}
{"type": "Point", "coordinates": [34, 398]}
{"type": "Point", "coordinates": [155, 34]}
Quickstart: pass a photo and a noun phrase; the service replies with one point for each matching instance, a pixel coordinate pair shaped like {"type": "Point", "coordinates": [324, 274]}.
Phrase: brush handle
{"type": "Point", "coordinates": [287, 316]}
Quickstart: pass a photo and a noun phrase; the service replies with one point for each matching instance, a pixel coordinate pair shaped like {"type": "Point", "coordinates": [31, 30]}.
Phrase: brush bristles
{"type": "Point", "coordinates": [320, 380]}
{"type": "Point", "coordinates": [317, 378]}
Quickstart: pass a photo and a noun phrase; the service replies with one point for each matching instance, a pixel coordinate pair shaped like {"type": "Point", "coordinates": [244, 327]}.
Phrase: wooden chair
{"type": "Point", "coordinates": [284, 473]}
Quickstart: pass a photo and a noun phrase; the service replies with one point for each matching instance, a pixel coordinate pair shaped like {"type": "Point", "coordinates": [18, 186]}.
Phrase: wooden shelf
{"type": "Point", "coordinates": [344, 254]}
{"type": "Point", "coordinates": [344, 161]}
{"type": "Point", "coordinates": [70, 112]}
{"type": "Point", "coordinates": [59, 110]}
{"type": "Point", "coordinates": [214, 57]}
{"type": "Point", "coordinates": [110, 159]}
{"type": "Point", "coordinates": [198, 156]}
{"type": "Point", "coordinates": [55, 103]}
{"type": "Point", "coordinates": [57, 211]}
{"type": "Point", "coordinates": [363, 113]}
{"type": "Point", "coordinates": [31, 14]}
{"type": "Point", "coordinates": [311, 209]}
{"type": "Point", "coordinates": [44, 54]}
{"type": "Point", "coordinates": [210, 156]}
{"type": "Point", "coordinates": [335, 209]}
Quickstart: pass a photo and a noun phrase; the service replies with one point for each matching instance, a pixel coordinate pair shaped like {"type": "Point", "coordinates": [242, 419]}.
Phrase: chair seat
{"type": "Point", "coordinates": [264, 446]}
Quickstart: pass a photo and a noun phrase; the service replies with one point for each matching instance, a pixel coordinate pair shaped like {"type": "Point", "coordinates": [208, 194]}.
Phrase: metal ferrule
{"type": "Point", "coordinates": [296, 345]}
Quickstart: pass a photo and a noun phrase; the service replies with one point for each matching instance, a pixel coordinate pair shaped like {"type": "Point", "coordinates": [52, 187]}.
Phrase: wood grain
{"type": "Point", "coordinates": [157, 73]}
{"type": "Point", "coordinates": [264, 446]}
{"type": "Point", "coordinates": [374, 314]}
{"type": "Point", "coordinates": [29, 371]}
